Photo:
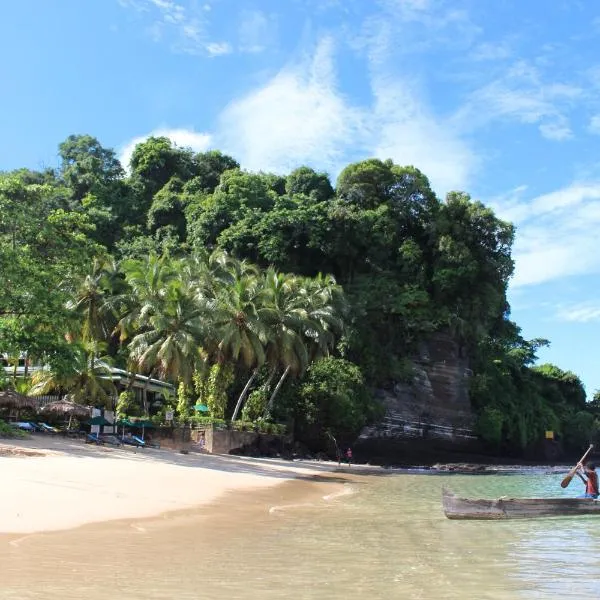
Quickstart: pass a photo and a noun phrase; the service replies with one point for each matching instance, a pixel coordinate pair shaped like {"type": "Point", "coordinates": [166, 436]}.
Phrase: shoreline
{"type": "Point", "coordinates": [55, 485]}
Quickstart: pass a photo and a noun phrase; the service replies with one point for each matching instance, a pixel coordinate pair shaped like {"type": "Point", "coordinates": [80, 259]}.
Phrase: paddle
{"type": "Point", "coordinates": [567, 480]}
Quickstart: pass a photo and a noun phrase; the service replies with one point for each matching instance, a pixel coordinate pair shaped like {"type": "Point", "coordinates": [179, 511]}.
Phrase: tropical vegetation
{"type": "Point", "coordinates": [266, 297]}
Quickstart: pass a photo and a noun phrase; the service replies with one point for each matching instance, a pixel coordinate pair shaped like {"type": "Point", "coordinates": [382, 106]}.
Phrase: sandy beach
{"type": "Point", "coordinates": [52, 484]}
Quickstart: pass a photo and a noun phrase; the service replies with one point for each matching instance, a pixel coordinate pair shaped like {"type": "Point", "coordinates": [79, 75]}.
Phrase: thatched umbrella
{"type": "Point", "coordinates": [67, 407]}
{"type": "Point", "coordinates": [12, 399]}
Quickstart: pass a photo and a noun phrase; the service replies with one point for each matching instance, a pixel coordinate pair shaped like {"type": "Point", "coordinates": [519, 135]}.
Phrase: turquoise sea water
{"type": "Point", "coordinates": [375, 537]}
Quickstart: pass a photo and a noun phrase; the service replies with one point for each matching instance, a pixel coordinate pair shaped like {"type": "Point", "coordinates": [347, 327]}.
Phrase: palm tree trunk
{"type": "Point", "coordinates": [276, 390]}
{"type": "Point", "coordinates": [238, 406]}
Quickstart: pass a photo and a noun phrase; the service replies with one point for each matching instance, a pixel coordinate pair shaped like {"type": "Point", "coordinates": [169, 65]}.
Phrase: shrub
{"type": "Point", "coordinates": [334, 398]}
{"type": "Point", "coordinates": [255, 405]}
{"type": "Point", "coordinates": [8, 431]}
{"type": "Point", "coordinates": [127, 405]}
{"type": "Point", "coordinates": [489, 425]}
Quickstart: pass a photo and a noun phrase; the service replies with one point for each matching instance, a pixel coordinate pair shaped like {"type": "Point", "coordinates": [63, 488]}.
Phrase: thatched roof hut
{"type": "Point", "coordinates": [67, 408]}
{"type": "Point", "coordinates": [12, 399]}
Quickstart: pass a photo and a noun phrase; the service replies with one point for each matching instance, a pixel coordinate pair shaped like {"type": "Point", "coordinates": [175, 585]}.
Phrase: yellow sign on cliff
{"type": "Point", "coordinates": [549, 435]}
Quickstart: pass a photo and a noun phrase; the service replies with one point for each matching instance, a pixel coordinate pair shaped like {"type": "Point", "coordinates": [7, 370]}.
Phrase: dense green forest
{"type": "Point", "coordinates": [277, 298]}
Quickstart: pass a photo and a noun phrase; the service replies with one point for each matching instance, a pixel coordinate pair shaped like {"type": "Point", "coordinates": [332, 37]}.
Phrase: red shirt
{"type": "Point", "coordinates": [591, 487]}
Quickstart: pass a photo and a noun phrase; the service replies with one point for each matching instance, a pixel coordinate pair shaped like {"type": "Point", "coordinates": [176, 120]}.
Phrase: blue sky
{"type": "Point", "coordinates": [500, 99]}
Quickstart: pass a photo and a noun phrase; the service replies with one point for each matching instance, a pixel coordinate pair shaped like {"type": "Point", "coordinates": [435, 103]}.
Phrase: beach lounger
{"type": "Point", "coordinates": [23, 426]}
{"type": "Point", "coordinates": [133, 440]}
{"type": "Point", "coordinates": [92, 438]}
{"type": "Point", "coordinates": [48, 428]}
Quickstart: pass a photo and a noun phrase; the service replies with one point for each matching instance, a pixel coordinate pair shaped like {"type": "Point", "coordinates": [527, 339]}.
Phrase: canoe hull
{"type": "Point", "coordinates": [516, 508]}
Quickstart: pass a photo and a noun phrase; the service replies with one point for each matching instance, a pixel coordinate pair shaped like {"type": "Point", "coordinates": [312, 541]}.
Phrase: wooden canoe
{"type": "Point", "coordinates": [516, 508]}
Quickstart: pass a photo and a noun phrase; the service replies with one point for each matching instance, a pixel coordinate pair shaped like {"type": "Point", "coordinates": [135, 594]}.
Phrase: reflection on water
{"type": "Point", "coordinates": [388, 539]}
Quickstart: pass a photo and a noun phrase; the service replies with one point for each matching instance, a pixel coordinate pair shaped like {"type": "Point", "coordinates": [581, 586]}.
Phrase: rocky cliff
{"type": "Point", "coordinates": [435, 406]}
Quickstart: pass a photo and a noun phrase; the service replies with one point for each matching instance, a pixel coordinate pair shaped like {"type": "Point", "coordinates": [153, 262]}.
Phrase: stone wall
{"type": "Point", "coordinates": [435, 405]}
{"type": "Point", "coordinates": [217, 440]}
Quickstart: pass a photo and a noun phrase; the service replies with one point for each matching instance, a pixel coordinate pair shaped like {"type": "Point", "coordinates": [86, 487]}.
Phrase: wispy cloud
{"type": "Point", "coordinates": [301, 117]}
{"type": "Point", "coordinates": [297, 117]}
{"type": "Point", "coordinates": [186, 138]}
{"type": "Point", "coordinates": [490, 51]}
{"type": "Point", "coordinates": [415, 26]}
{"type": "Point", "coordinates": [522, 95]}
{"type": "Point", "coordinates": [584, 312]}
{"type": "Point", "coordinates": [183, 27]}
{"type": "Point", "coordinates": [404, 129]}
{"type": "Point", "coordinates": [556, 232]}
{"type": "Point", "coordinates": [594, 126]}
{"type": "Point", "coordinates": [256, 31]}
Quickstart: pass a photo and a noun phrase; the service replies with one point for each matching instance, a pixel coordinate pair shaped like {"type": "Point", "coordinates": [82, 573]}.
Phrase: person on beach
{"type": "Point", "coordinates": [590, 480]}
{"type": "Point", "coordinates": [349, 456]}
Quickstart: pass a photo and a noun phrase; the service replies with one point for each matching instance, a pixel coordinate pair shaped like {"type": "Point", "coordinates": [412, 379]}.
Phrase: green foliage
{"type": "Point", "coordinates": [184, 401]}
{"type": "Point", "coordinates": [333, 397]}
{"type": "Point", "coordinates": [490, 424]}
{"type": "Point", "coordinates": [127, 406]}
{"type": "Point", "coordinates": [219, 380]}
{"type": "Point", "coordinates": [581, 428]}
{"type": "Point", "coordinates": [204, 421]}
{"type": "Point", "coordinates": [255, 405]}
{"type": "Point", "coordinates": [221, 276]}
{"type": "Point", "coordinates": [8, 431]}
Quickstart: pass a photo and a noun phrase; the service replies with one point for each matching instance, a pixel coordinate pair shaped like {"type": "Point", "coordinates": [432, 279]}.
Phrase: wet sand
{"type": "Point", "coordinates": [119, 558]}
{"type": "Point", "coordinates": [67, 484]}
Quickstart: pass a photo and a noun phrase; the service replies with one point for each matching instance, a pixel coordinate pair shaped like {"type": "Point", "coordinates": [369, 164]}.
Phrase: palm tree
{"type": "Point", "coordinates": [89, 303]}
{"type": "Point", "coordinates": [239, 334]}
{"type": "Point", "coordinates": [305, 318]}
{"type": "Point", "coordinates": [87, 379]}
{"type": "Point", "coordinates": [149, 284]}
{"type": "Point", "coordinates": [170, 336]}
{"type": "Point", "coordinates": [287, 319]}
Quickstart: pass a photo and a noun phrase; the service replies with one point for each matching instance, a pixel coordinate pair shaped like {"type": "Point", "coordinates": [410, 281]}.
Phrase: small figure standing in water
{"type": "Point", "coordinates": [349, 456]}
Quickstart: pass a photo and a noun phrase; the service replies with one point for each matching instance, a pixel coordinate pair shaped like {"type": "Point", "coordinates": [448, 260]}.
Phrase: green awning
{"type": "Point", "coordinates": [99, 420]}
{"type": "Point", "coordinates": [143, 423]}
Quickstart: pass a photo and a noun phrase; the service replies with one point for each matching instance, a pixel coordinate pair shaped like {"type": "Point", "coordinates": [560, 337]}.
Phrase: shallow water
{"type": "Point", "coordinates": [375, 537]}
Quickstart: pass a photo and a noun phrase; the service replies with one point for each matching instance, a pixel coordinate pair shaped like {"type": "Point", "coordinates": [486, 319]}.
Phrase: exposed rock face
{"type": "Point", "coordinates": [435, 404]}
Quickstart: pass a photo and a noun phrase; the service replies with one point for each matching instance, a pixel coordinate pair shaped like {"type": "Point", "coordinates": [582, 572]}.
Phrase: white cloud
{"type": "Point", "coordinates": [403, 129]}
{"type": "Point", "coordinates": [185, 138]}
{"type": "Point", "coordinates": [595, 124]}
{"type": "Point", "coordinates": [584, 312]}
{"type": "Point", "coordinates": [557, 130]}
{"type": "Point", "coordinates": [556, 232]}
{"type": "Point", "coordinates": [300, 117]}
{"type": "Point", "coordinates": [256, 31]}
{"type": "Point", "coordinates": [419, 25]}
{"type": "Point", "coordinates": [218, 48]}
{"type": "Point", "coordinates": [522, 95]}
{"type": "Point", "coordinates": [491, 51]}
{"type": "Point", "coordinates": [183, 27]}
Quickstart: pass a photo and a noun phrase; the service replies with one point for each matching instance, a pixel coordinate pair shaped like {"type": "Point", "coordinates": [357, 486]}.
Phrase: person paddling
{"type": "Point", "coordinates": [591, 480]}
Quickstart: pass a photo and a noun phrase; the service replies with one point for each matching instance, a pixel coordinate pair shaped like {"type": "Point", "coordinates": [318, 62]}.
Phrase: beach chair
{"type": "Point", "coordinates": [133, 440]}
{"type": "Point", "coordinates": [23, 426]}
{"type": "Point", "coordinates": [92, 438]}
{"type": "Point", "coordinates": [48, 428]}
